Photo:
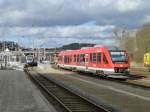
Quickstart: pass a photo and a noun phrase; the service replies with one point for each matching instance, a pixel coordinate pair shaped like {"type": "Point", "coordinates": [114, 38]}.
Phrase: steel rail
{"type": "Point", "coordinates": [113, 80]}
{"type": "Point", "coordinates": [71, 102]}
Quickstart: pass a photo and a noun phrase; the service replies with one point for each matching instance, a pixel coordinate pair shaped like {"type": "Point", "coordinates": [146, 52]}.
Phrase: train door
{"type": "Point", "coordinates": [86, 61]}
{"type": "Point", "coordinates": [105, 61]}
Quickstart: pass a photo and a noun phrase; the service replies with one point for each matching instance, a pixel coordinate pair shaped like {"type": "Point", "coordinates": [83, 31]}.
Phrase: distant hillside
{"type": "Point", "coordinates": [75, 46]}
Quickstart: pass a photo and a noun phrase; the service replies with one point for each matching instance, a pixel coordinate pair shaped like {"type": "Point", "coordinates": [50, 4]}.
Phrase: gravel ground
{"type": "Point", "coordinates": [141, 71]}
{"type": "Point", "coordinates": [116, 95]}
{"type": "Point", "coordinates": [18, 94]}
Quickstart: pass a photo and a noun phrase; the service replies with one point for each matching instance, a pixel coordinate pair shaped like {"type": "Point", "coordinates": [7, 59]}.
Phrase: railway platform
{"type": "Point", "coordinates": [110, 94]}
{"type": "Point", "coordinates": [18, 94]}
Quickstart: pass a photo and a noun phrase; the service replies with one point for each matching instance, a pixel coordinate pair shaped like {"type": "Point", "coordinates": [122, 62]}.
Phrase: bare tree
{"type": "Point", "coordinates": [120, 36]}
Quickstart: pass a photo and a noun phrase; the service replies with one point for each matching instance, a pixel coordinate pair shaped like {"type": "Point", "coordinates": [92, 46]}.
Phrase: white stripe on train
{"type": "Point", "coordinates": [88, 68]}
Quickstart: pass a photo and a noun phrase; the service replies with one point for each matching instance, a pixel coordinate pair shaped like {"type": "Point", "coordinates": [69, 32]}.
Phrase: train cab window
{"type": "Point", "coordinates": [105, 59]}
{"type": "Point", "coordinates": [91, 58]}
{"type": "Point", "coordinates": [99, 58]}
{"type": "Point", "coordinates": [94, 57]}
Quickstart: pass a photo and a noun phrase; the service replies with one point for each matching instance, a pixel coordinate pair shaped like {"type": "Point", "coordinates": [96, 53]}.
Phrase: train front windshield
{"type": "Point", "coordinates": [119, 56]}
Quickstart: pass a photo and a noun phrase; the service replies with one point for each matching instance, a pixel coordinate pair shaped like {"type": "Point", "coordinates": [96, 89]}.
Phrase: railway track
{"type": "Point", "coordinates": [124, 82]}
{"type": "Point", "coordinates": [131, 77]}
{"type": "Point", "coordinates": [67, 100]}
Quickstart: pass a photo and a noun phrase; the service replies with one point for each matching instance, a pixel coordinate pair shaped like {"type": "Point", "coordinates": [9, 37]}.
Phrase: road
{"type": "Point", "coordinates": [18, 94]}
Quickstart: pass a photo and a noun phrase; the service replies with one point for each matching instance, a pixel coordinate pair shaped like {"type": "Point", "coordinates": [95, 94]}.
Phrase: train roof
{"type": "Point", "coordinates": [84, 50]}
{"type": "Point", "coordinates": [110, 48]}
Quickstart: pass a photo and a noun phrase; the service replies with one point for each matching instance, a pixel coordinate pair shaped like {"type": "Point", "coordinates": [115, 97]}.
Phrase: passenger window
{"type": "Point", "coordinates": [91, 58]}
{"type": "Point", "coordinates": [78, 58]}
{"type": "Point", "coordinates": [105, 59]}
{"type": "Point", "coordinates": [70, 58]}
{"type": "Point", "coordinates": [82, 58]}
{"type": "Point", "coordinates": [94, 57]}
{"type": "Point", "coordinates": [99, 58]}
{"type": "Point", "coordinates": [74, 58]}
{"type": "Point", "coordinates": [65, 59]}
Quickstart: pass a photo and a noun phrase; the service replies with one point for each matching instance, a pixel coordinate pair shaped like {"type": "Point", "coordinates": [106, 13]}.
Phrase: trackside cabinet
{"type": "Point", "coordinates": [147, 61]}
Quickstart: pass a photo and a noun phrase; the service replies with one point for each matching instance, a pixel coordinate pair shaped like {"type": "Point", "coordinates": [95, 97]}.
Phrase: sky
{"type": "Point", "coordinates": [53, 23]}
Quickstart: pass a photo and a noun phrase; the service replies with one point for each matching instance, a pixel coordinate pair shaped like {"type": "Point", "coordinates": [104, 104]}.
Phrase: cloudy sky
{"type": "Point", "coordinates": [51, 23]}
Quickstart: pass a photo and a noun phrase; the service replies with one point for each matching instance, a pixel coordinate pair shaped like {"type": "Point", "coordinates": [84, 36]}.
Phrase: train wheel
{"type": "Point", "coordinates": [74, 69]}
{"type": "Point", "coordinates": [100, 73]}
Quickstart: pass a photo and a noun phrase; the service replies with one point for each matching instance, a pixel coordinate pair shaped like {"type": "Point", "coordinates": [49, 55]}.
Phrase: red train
{"type": "Point", "coordinates": [98, 60]}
